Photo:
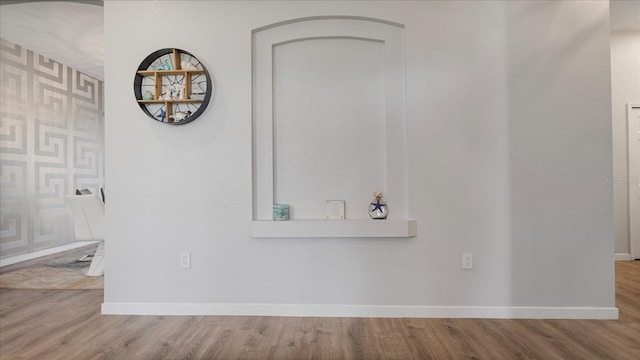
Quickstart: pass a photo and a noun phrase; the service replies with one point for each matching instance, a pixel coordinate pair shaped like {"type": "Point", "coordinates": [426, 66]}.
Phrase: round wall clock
{"type": "Point", "coordinates": [172, 86]}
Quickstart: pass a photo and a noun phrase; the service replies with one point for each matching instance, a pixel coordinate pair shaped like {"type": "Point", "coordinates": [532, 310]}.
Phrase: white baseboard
{"type": "Point", "coordinates": [36, 254]}
{"type": "Point", "coordinates": [308, 310]}
{"type": "Point", "coordinates": [622, 257]}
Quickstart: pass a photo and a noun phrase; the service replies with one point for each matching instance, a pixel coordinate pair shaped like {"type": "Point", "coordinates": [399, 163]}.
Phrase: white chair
{"type": "Point", "coordinates": [88, 224]}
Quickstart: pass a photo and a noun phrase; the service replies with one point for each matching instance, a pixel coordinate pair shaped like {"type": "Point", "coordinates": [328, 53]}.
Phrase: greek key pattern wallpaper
{"type": "Point", "coordinates": [51, 142]}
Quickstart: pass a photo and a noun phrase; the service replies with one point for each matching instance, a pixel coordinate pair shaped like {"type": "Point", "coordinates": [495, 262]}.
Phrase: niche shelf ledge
{"type": "Point", "coordinates": [357, 228]}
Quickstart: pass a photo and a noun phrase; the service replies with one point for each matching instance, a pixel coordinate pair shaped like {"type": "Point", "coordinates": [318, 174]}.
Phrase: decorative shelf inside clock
{"type": "Point", "coordinates": [172, 86]}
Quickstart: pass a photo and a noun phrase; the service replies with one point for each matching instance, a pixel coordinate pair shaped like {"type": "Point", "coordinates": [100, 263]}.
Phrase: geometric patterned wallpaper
{"type": "Point", "coordinates": [51, 142]}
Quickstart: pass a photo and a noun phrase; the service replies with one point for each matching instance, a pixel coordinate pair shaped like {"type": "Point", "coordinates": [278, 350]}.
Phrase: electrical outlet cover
{"type": "Point", "coordinates": [467, 261]}
{"type": "Point", "coordinates": [185, 259]}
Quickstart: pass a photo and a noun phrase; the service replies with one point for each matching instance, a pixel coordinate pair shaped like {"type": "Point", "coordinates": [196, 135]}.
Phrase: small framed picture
{"type": "Point", "coordinates": [334, 210]}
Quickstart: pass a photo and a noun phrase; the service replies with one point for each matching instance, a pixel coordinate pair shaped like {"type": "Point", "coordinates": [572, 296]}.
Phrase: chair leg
{"type": "Point", "coordinates": [97, 264]}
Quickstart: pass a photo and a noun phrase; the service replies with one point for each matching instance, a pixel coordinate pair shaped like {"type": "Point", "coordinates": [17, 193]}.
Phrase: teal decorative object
{"type": "Point", "coordinates": [280, 212]}
{"type": "Point", "coordinates": [148, 95]}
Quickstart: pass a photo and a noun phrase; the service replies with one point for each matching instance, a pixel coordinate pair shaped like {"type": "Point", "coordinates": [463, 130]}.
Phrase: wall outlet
{"type": "Point", "coordinates": [185, 259]}
{"type": "Point", "coordinates": [467, 261]}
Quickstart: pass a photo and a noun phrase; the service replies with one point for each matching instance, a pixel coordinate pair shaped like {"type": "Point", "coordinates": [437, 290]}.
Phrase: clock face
{"type": "Point", "coordinates": [172, 86]}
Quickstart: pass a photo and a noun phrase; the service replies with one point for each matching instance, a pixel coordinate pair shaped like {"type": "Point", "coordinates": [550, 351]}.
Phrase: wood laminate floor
{"type": "Point", "coordinates": [66, 324]}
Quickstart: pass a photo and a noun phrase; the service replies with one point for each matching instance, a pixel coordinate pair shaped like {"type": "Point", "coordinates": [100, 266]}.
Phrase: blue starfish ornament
{"type": "Point", "coordinates": [162, 115]}
{"type": "Point", "coordinates": [377, 205]}
{"type": "Point", "coordinates": [378, 210]}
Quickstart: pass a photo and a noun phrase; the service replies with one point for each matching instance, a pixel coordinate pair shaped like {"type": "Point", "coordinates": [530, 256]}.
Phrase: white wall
{"type": "Point", "coordinates": [625, 88]}
{"type": "Point", "coordinates": [508, 138]}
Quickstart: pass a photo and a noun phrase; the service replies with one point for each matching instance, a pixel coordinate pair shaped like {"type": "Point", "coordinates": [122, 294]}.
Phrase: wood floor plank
{"type": "Point", "coordinates": [67, 324]}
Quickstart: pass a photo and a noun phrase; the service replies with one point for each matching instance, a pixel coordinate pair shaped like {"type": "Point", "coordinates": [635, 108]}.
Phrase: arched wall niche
{"type": "Point", "coordinates": [328, 17]}
{"type": "Point", "coordinates": [329, 110]}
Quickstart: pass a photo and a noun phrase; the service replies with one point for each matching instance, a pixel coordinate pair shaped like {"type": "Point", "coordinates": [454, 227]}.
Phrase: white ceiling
{"type": "Point", "coordinates": [72, 32]}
